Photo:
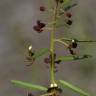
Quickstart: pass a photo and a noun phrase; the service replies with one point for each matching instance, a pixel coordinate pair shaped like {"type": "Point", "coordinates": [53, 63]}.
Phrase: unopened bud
{"type": "Point", "coordinates": [30, 48]}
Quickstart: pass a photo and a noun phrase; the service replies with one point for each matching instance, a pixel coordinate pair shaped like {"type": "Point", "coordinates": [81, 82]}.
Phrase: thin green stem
{"type": "Point", "coordinates": [52, 43]}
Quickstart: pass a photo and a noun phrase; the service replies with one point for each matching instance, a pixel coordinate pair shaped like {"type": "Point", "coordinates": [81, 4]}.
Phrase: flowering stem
{"type": "Point", "coordinates": [52, 43]}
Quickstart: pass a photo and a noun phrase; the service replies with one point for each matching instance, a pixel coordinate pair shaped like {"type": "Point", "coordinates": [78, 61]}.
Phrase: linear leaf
{"type": "Point", "coordinates": [28, 85]}
{"type": "Point", "coordinates": [74, 88]}
{"type": "Point", "coordinates": [70, 58]}
{"type": "Point", "coordinates": [66, 58]}
{"type": "Point", "coordinates": [66, 8]}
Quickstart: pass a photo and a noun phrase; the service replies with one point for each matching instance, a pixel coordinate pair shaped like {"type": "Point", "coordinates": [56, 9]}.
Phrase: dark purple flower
{"type": "Point", "coordinates": [42, 8]}
{"type": "Point", "coordinates": [68, 14]}
{"type": "Point", "coordinates": [39, 26]}
{"type": "Point", "coordinates": [38, 29]}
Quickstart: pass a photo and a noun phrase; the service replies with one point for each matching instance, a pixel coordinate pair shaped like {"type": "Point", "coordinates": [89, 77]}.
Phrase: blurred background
{"type": "Point", "coordinates": [17, 18]}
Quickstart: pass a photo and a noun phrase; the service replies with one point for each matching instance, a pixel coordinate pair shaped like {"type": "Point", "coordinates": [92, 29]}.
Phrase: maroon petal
{"type": "Point", "coordinates": [42, 8]}
{"type": "Point", "coordinates": [38, 29]}
{"type": "Point", "coordinates": [68, 15]}
{"type": "Point", "coordinates": [40, 24]}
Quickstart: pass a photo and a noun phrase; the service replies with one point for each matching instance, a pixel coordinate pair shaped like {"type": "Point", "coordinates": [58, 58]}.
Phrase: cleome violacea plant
{"type": "Point", "coordinates": [59, 10]}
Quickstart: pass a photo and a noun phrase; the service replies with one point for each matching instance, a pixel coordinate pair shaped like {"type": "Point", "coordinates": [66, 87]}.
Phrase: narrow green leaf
{"type": "Point", "coordinates": [74, 88]}
{"type": "Point", "coordinates": [80, 57]}
{"type": "Point", "coordinates": [66, 8]}
{"type": "Point", "coordinates": [87, 41]}
{"type": "Point", "coordinates": [40, 53]}
{"type": "Point", "coordinates": [28, 85]}
{"type": "Point", "coordinates": [65, 58]}
{"type": "Point", "coordinates": [71, 58]}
